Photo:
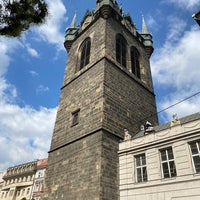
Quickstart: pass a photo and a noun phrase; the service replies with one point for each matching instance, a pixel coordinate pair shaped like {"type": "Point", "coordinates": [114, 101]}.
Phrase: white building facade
{"type": "Point", "coordinates": [18, 182]}
{"type": "Point", "coordinates": [23, 182]}
{"type": "Point", "coordinates": [162, 163]}
{"type": "Point", "coordinates": [38, 185]}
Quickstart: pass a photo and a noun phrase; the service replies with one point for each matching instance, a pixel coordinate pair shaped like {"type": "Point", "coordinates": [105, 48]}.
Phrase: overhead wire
{"type": "Point", "coordinates": [179, 102]}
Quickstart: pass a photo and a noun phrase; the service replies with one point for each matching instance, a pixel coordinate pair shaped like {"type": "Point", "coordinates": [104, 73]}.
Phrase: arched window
{"type": "Point", "coordinates": [121, 50]}
{"type": "Point", "coordinates": [85, 53]}
{"type": "Point", "coordinates": [135, 64]}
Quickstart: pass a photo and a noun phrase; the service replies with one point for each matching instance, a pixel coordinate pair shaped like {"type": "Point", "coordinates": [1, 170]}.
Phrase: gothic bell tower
{"type": "Point", "coordinates": [107, 88]}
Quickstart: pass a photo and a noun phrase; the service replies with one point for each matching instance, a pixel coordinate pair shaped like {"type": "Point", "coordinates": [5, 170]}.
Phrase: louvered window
{"type": "Point", "coordinates": [135, 64]}
{"type": "Point", "coordinates": [121, 50]}
{"type": "Point", "coordinates": [85, 53]}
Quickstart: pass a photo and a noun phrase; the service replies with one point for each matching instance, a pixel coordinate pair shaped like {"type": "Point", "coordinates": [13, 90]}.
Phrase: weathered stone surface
{"type": "Point", "coordinates": [83, 160]}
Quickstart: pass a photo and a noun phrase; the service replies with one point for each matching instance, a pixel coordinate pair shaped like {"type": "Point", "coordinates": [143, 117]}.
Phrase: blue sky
{"type": "Point", "coordinates": [32, 68]}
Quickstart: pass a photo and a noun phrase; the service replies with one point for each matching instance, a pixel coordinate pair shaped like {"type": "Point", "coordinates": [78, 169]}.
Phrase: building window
{"type": "Point", "coordinates": [37, 187]}
{"type": "Point", "coordinates": [168, 163]}
{"type": "Point", "coordinates": [18, 192]}
{"type": "Point", "coordinates": [28, 190]}
{"type": "Point", "coordinates": [195, 150]}
{"type": "Point", "coordinates": [11, 192]}
{"type": "Point", "coordinates": [6, 194]}
{"type": "Point", "coordinates": [23, 192]}
{"type": "Point", "coordinates": [85, 53]}
{"type": "Point", "coordinates": [121, 50]}
{"type": "Point", "coordinates": [135, 64]}
{"type": "Point", "coordinates": [75, 117]}
{"type": "Point", "coordinates": [140, 168]}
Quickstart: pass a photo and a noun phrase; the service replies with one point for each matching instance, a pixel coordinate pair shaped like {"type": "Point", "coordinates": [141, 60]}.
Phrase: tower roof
{"type": "Point", "coordinates": [144, 26]}
{"type": "Point", "coordinates": [196, 17]}
{"type": "Point", "coordinates": [73, 23]}
{"type": "Point", "coordinates": [105, 3]}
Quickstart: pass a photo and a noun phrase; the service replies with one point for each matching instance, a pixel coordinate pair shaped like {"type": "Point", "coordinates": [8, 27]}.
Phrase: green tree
{"type": "Point", "coordinates": [17, 16]}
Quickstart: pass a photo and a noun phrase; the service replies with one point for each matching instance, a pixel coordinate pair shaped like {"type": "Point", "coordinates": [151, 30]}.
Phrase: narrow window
{"type": "Point", "coordinates": [23, 191]}
{"type": "Point", "coordinates": [195, 150]}
{"type": "Point", "coordinates": [6, 194]}
{"type": "Point", "coordinates": [121, 50]}
{"type": "Point", "coordinates": [75, 117]}
{"type": "Point", "coordinates": [18, 192]}
{"type": "Point", "coordinates": [37, 187]}
{"type": "Point", "coordinates": [167, 163]}
{"type": "Point", "coordinates": [135, 64]}
{"type": "Point", "coordinates": [11, 192]}
{"type": "Point", "coordinates": [85, 53]}
{"type": "Point", "coordinates": [28, 190]}
{"type": "Point", "coordinates": [140, 168]}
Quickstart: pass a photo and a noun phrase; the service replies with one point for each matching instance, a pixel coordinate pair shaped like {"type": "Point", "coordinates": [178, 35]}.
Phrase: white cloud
{"type": "Point", "coordinates": [20, 128]}
{"type": "Point", "coordinates": [4, 59]}
{"type": "Point", "coordinates": [175, 28]}
{"type": "Point", "coordinates": [7, 45]}
{"type": "Point", "coordinates": [175, 67]}
{"type": "Point", "coordinates": [186, 4]}
{"type": "Point", "coordinates": [51, 30]}
{"type": "Point", "coordinates": [186, 106]}
{"type": "Point", "coordinates": [151, 22]}
{"type": "Point", "coordinates": [25, 132]}
{"type": "Point", "coordinates": [41, 89]}
{"type": "Point", "coordinates": [179, 61]}
{"type": "Point", "coordinates": [32, 51]}
{"type": "Point", "coordinates": [33, 73]}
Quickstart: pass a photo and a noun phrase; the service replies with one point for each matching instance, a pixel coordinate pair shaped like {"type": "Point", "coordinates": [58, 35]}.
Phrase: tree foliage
{"type": "Point", "coordinates": [17, 16]}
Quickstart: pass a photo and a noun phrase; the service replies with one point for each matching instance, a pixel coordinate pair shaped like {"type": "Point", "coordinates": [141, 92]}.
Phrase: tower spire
{"type": "Point", "coordinates": [144, 26]}
{"type": "Point", "coordinates": [71, 33]}
{"type": "Point", "coordinates": [148, 42]}
{"type": "Point", "coordinates": [73, 23]}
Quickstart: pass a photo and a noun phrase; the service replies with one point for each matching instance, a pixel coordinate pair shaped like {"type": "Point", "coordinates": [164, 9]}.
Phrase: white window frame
{"type": "Point", "coordinates": [197, 143]}
{"type": "Point", "coordinates": [167, 161]}
{"type": "Point", "coordinates": [140, 167]}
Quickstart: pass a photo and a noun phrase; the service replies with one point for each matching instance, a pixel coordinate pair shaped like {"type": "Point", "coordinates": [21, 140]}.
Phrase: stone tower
{"type": "Point", "coordinates": [107, 88]}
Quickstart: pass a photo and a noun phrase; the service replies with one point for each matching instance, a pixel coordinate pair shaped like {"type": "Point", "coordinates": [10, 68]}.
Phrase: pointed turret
{"type": "Point", "coordinates": [196, 17]}
{"type": "Point", "coordinates": [148, 42]}
{"type": "Point", "coordinates": [70, 34]}
{"type": "Point", "coordinates": [73, 23]}
{"type": "Point", "coordinates": [144, 26]}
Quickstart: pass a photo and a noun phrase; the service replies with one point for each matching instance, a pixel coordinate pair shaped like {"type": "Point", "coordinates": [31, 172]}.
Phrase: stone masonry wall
{"type": "Point", "coordinates": [113, 28]}
{"type": "Point", "coordinates": [84, 170]}
{"type": "Point", "coordinates": [127, 105]}
{"type": "Point", "coordinates": [83, 160]}
{"type": "Point", "coordinates": [84, 93]}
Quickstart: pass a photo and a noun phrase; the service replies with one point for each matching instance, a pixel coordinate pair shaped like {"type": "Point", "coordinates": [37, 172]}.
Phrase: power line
{"type": "Point", "coordinates": [181, 101]}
